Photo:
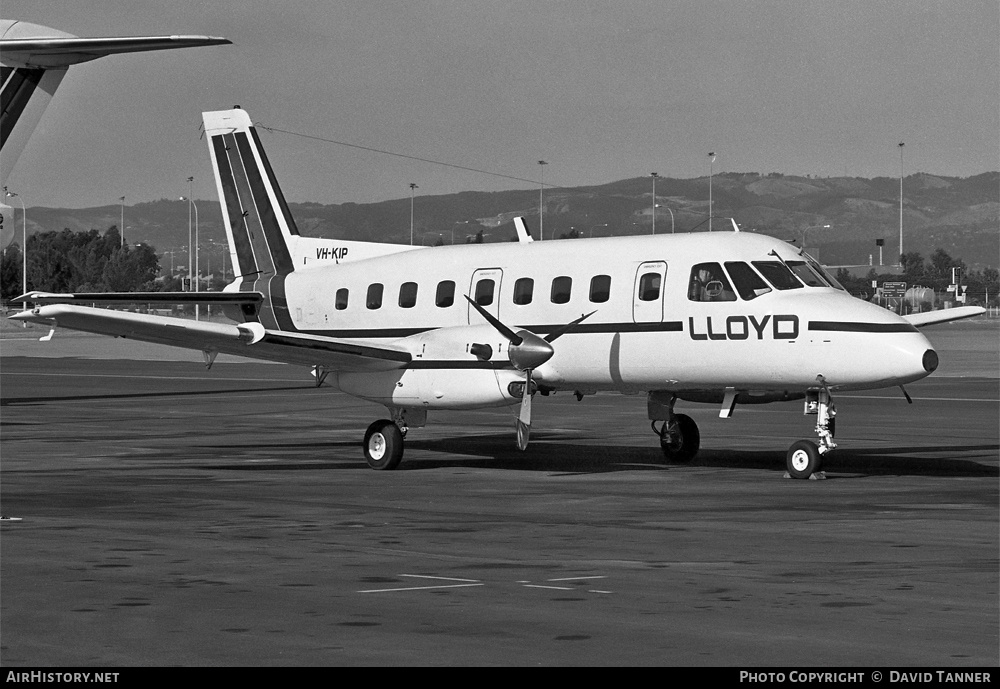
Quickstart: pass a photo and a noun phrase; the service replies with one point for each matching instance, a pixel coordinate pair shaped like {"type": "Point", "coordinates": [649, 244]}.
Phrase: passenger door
{"type": "Point", "coordinates": [647, 294]}
{"type": "Point", "coordinates": [485, 291]}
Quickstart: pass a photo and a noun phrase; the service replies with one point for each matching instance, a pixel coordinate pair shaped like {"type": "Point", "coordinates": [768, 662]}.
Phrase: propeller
{"type": "Point", "coordinates": [527, 351]}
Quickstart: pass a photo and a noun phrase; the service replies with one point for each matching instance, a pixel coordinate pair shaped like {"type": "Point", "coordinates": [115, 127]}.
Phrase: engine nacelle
{"type": "Point", "coordinates": [433, 388]}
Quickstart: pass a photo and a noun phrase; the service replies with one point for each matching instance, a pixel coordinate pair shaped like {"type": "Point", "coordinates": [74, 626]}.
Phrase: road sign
{"type": "Point", "coordinates": [893, 289]}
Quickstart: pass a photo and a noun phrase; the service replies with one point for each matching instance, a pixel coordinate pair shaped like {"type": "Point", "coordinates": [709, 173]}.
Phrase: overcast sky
{"type": "Point", "coordinates": [600, 90]}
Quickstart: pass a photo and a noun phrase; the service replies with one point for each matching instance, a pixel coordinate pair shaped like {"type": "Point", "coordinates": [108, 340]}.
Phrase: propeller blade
{"type": "Point", "coordinates": [511, 336]}
{"type": "Point", "coordinates": [569, 326]}
{"type": "Point", "coordinates": [524, 417]}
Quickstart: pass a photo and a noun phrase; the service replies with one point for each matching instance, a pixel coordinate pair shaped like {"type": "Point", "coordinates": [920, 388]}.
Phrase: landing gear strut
{"type": "Point", "coordinates": [805, 458]}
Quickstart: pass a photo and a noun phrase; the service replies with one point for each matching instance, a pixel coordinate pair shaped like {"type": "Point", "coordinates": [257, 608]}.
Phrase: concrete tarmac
{"type": "Point", "coordinates": [171, 515]}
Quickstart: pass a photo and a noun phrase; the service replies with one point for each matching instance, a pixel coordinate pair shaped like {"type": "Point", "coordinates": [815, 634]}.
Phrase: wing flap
{"type": "Point", "coordinates": [248, 339]}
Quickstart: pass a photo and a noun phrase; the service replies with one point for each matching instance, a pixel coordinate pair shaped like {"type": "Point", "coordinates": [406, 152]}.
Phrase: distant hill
{"type": "Point", "coordinates": [959, 215]}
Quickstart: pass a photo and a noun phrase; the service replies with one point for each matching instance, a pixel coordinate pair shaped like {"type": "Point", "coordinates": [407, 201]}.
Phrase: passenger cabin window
{"type": "Point", "coordinates": [523, 291]}
{"type": "Point", "coordinates": [341, 303]}
{"type": "Point", "coordinates": [649, 287]}
{"type": "Point", "coordinates": [777, 274]}
{"type": "Point", "coordinates": [445, 296]}
{"type": "Point", "coordinates": [562, 287]}
{"type": "Point", "coordinates": [600, 288]}
{"type": "Point", "coordinates": [374, 300]}
{"type": "Point", "coordinates": [408, 295]}
{"type": "Point", "coordinates": [484, 292]}
{"type": "Point", "coordinates": [749, 285]}
{"type": "Point", "coordinates": [709, 283]}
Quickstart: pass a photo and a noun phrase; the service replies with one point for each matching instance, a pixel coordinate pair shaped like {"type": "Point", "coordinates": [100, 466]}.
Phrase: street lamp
{"type": "Point", "coordinates": [122, 233]}
{"type": "Point", "coordinates": [711, 163]}
{"type": "Point", "coordinates": [671, 217]}
{"type": "Point", "coordinates": [194, 276]}
{"type": "Point", "coordinates": [811, 227]}
{"type": "Point", "coordinates": [24, 242]}
{"type": "Point", "coordinates": [541, 190]}
{"type": "Point", "coordinates": [412, 188]}
{"type": "Point", "coordinates": [901, 144]}
{"type": "Point", "coordinates": [654, 175]}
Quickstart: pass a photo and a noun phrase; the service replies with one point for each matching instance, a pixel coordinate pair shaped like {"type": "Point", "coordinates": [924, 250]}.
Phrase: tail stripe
{"type": "Point", "coordinates": [282, 205]}
{"type": "Point", "coordinates": [237, 223]}
{"type": "Point", "coordinates": [14, 96]}
{"type": "Point", "coordinates": [280, 258]}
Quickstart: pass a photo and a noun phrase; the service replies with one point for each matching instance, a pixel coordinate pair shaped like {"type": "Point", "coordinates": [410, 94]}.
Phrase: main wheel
{"type": "Point", "coordinates": [383, 445]}
{"type": "Point", "coordinates": [685, 446]}
{"type": "Point", "coordinates": [803, 459]}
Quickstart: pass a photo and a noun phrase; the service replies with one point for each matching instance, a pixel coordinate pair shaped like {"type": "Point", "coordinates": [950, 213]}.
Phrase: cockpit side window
{"type": "Point", "coordinates": [825, 274]}
{"type": "Point", "coordinates": [749, 285]}
{"type": "Point", "coordinates": [806, 274]}
{"type": "Point", "coordinates": [777, 274]}
{"type": "Point", "coordinates": [709, 283]}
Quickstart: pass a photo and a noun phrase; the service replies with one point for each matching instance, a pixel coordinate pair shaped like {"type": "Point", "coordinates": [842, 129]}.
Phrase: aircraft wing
{"type": "Point", "coordinates": [944, 316]}
{"type": "Point", "coordinates": [246, 339]}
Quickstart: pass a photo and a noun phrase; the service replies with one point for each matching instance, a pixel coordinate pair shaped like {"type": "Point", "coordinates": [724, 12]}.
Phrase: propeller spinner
{"type": "Point", "coordinates": [527, 351]}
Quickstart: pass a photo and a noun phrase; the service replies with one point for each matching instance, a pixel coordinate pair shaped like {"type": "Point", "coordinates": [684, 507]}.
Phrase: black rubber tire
{"type": "Point", "coordinates": [803, 459]}
{"type": "Point", "coordinates": [383, 446]}
{"type": "Point", "coordinates": [685, 450]}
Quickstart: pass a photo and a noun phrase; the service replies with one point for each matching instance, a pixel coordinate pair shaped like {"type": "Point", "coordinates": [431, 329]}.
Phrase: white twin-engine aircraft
{"type": "Point", "coordinates": [722, 318]}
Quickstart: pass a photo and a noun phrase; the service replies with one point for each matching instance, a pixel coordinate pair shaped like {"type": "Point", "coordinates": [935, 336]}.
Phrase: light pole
{"type": "Point", "coordinates": [194, 248]}
{"type": "Point", "coordinates": [711, 163]}
{"type": "Point", "coordinates": [122, 233]}
{"type": "Point", "coordinates": [412, 188]}
{"type": "Point", "coordinates": [541, 213]}
{"type": "Point", "coordinates": [901, 144]}
{"type": "Point", "coordinates": [24, 242]}
{"type": "Point", "coordinates": [671, 219]}
{"type": "Point", "coordinates": [654, 175]}
{"type": "Point", "coordinates": [811, 227]}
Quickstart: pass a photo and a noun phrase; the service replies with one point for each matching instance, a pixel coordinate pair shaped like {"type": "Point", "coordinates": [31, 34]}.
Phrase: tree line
{"type": "Point", "coordinates": [982, 286]}
{"type": "Point", "coordinates": [71, 261]}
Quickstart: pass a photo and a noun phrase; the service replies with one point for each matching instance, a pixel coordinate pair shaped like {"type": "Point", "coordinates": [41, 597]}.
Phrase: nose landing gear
{"type": "Point", "coordinates": [805, 458]}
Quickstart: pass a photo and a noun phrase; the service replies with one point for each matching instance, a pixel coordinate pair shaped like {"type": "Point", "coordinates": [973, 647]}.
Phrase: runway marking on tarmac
{"type": "Point", "coordinates": [465, 583]}
{"type": "Point", "coordinates": [469, 582]}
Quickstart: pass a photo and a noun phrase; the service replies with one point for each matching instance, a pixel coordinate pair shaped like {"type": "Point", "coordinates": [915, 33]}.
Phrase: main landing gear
{"type": "Point", "coordinates": [679, 435]}
{"type": "Point", "coordinates": [384, 444]}
{"type": "Point", "coordinates": [805, 458]}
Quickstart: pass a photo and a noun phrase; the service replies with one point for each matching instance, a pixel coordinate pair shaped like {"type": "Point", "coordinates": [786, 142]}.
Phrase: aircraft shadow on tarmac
{"type": "Point", "coordinates": [495, 451]}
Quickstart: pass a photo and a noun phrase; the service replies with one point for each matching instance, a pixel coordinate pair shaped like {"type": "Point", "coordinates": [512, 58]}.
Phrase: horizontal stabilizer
{"type": "Point", "coordinates": [178, 298]}
{"type": "Point", "coordinates": [61, 52]}
{"type": "Point", "coordinates": [944, 316]}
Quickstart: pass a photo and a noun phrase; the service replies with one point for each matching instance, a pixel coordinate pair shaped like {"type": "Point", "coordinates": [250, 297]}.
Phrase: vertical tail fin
{"type": "Point", "coordinates": [258, 223]}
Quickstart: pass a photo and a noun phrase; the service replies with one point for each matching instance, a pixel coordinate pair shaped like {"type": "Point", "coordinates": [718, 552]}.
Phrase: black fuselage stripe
{"type": "Point", "coordinates": [596, 328]}
{"type": "Point", "coordinates": [855, 327]}
{"type": "Point", "coordinates": [14, 97]}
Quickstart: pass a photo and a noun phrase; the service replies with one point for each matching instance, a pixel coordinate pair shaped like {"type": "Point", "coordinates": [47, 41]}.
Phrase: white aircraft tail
{"type": "Point", "coordinates": [264, 242]}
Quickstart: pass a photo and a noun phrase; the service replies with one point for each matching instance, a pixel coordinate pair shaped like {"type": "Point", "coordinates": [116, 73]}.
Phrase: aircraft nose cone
{"type": "Point", "coordinates": [930, 361]}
